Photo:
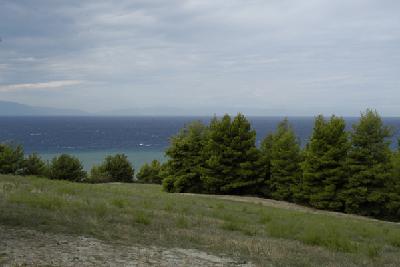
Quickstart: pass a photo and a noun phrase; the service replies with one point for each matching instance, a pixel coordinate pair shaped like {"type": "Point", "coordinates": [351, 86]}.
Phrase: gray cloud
{"type": "Point", "coordinates": [306, 56]}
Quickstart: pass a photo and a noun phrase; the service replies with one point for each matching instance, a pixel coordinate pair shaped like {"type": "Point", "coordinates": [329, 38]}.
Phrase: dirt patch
{"type": "Point", "coordinates": [24, 247]}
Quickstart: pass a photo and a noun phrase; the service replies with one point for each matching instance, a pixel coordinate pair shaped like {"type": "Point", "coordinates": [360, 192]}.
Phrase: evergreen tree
{"type": "Point", "coordinates": [265, 149]}
{"type": "Point", "coordinates": [218, 156]}
{"type": "Point", "coordinates": [393, 206]}
{"type": "Point", "coordinates": [182, 171]}
{"type": "Point", "coordinates": [285, 163]}
{"type": "Point", "coordinates": [233, 161]}
{"type": "Point", "coordinates": [369, 165]}
{"type": "Point", "coordinates": [324, 174]}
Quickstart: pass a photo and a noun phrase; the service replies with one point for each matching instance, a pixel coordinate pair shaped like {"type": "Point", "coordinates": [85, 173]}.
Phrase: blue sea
{"type": "Point", "coordinates": [142, 139]}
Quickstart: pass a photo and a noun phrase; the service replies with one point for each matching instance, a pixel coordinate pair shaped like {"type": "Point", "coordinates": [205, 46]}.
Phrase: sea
{"type": "Point", "coordinates": [142, 139]}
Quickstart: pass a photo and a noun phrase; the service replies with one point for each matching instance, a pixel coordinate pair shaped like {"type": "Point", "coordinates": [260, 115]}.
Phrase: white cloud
{"type": "Point", "coordinates": [38, 86]}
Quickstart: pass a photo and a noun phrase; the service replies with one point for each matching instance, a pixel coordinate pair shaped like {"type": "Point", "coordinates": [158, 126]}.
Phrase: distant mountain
{"type": "Point", "coordinates": [193, 111]}
{"type": "Point", "coordinates": [15, 109]}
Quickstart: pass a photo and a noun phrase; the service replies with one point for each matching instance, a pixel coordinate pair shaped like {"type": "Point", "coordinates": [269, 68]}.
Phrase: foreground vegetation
{"type": "Point", "coordinates": [143, 214]}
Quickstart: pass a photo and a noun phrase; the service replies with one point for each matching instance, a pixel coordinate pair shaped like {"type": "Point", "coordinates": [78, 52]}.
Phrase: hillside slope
{"type": "Point", "coordinates": [143, 217]}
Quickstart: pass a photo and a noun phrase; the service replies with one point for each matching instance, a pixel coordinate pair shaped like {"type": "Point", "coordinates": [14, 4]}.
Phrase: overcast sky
{"type": "Point", "coordinates": [292, 57]}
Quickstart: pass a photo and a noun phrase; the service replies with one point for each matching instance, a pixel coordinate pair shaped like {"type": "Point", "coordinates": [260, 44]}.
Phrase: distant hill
{"type": "Point", "coordinates": [193, 111]}
{"type": "Point", "coordinates": [16, 109]}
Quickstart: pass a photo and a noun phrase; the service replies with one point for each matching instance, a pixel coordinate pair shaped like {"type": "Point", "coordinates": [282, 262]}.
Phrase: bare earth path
{"type": "Point", "coordinates": [24, 247]}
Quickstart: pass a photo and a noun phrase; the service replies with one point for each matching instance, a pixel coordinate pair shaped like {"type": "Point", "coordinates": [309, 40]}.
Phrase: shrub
{"type": "Point", "coordinates": [118, 168]}
{"type": "Point", "coordinates": [11, 158]}
{"type": "Point", "coordinates": [66, 167]}
{"type": "Point", "coordinates": [98, 175]}
{"type": "Point", "coordinates": [34, 165]}
{"type": "Point", "coordinates": [168, 184]}
{"type": "Point", "coordinates": [150, 173]}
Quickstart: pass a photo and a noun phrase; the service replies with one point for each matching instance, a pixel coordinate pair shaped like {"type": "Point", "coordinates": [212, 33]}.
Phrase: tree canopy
{"type": "Point", "coordinates": [324, 165]}
{"type": "Point", "coordinates": [369, 166]}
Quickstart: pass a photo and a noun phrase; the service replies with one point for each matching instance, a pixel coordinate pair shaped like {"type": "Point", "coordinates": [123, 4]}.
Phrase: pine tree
{"type": "Point", "coordinates": [181, 173]}
{"type": "Point", "coordinates": [393, 206]}
{"type": "Point", "coordinates": [233, 161]}
{"type": "Point", "coordinates": [324, 174]}
{"type": "Point", "coordinates": [285, 163]}
{"type": "Point", "coordinates": [369, 165]}
{"type": "Point", "coordinates": [265, 151]}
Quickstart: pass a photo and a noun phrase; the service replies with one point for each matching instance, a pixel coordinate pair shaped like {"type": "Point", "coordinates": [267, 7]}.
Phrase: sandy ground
{"type": "Point", "coordinates": [24, 247]}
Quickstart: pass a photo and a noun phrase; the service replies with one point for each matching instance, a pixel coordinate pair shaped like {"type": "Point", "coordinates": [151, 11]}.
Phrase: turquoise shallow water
{"type": "Point", "coordinates": [90, 158]}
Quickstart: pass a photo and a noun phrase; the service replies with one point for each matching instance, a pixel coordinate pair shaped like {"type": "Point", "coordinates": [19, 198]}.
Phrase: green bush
{"type": "Point", "coordinates": [117, 168]}
{"type": "Point", "coordinates": [11, 158]}
{"type": "Point", "coordinates": [66, 167]}
{"type": "Point", "coordinates": [98, 175]}
{"type": "Point", "coordinates": [150, 173]}
{"type": "Point", "coordinates": [34, 165]}
{"type": "Point", "coordinates": [168, 184]}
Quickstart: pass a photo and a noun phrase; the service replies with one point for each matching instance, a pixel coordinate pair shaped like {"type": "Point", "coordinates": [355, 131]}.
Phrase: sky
{"type": "Point", "coordinates": [270, 57]}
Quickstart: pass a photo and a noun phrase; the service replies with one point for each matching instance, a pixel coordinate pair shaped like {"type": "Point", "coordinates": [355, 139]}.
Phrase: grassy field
{"type": "Point", "coordinates": [143, 214]}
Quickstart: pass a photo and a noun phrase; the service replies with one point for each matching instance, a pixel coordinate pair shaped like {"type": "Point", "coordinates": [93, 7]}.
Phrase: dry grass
{"type": "Point", "coordinates": [286, 205]}
{"type": "Point", "coordinates": [143, 214]}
